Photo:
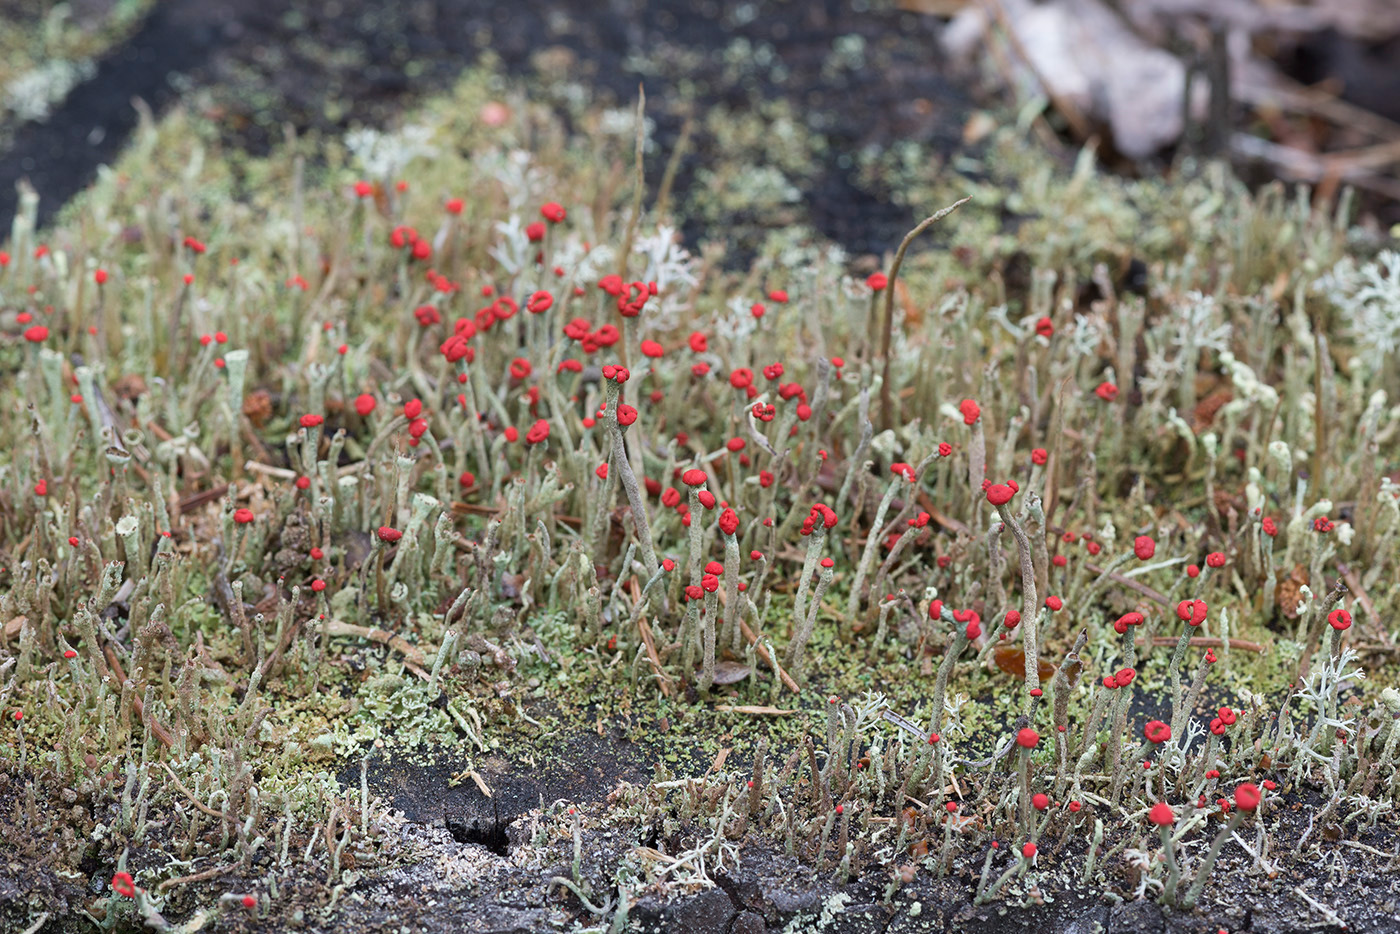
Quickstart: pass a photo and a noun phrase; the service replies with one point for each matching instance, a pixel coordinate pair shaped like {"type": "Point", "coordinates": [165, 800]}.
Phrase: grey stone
{"type": "Point", "coordinates": [708, 912]}
{"type": "Point", "coordinates": [1136, 918]}
{"type": "Point", "coordinates": [748, 922]}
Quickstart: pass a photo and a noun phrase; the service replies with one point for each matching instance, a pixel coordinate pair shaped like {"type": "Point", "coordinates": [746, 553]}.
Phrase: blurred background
{"type": "Point", "coordinates": [1302, 90]}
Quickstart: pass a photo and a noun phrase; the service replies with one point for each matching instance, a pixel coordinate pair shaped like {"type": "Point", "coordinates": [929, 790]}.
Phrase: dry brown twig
{"type": "Point", "coordinates": [768, 659]}
{"type": "Point", "coordinates": [414, 658]}
{"type": "Point", "coordinates": [886, 413]}
{"type": "Point", "coordinates": [653, 658]}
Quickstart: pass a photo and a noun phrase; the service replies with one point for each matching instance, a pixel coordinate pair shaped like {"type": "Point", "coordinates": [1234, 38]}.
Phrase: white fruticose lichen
{"type": "Point", "coordinates": [1086, 335]}
{"type": "Point", "coordinates": [670, 266]}
{"type": "Point", "coordinates": [31, 95]}
{"type": "Point", "coordinates": [1195, 324]}
{"type": "Point", "coordinates": [885, 444]}
{"type": "Point", "coordinates": [1368, 297]}
{"type": "Point", "coordinates": [514, 251]}
{"type": "Point", "coordinates": [586, 264]}
{"type": "Point", "coordinates": [1345, 532]}
{"type": "Point", "coordinates": [1199, 324]}
{"type": "Point", "coordinates": [622, 122]}
{"type": "Point", "coordinates": [1247, 382]}
{"type": "Point", "coordinates": [762, 186]}
{"type": "Point", "coordinates": [738, 324]}
{"type": "Point", "coordinates": [382, 155]}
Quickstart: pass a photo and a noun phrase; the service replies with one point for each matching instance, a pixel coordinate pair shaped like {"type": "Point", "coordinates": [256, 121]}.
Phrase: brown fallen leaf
{"type": "Point", "coordinates": [1289, 591]}
{"type": "Point", "coordinates": [257, 406]}
{"type": "Point", "coordinates": [727, 672]}
{"type": "Point", "coordinates": [1204, 414]}
{"type": "Point", "coordinates": [1012, 660]}
{"type": "Point", "coordinates": [130, 386]}
{"type": "Point", "coordinates": [13, 627]}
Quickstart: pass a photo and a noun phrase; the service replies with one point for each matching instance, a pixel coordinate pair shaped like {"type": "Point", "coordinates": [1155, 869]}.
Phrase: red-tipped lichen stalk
{"type": "Point", "coordinates": [903, 475]}
{"type": "Point", "coordinates": [618, 419]}
{"type": "Point", "coordinates": [728, 526]}
{"type": "Point", "coordinates": [1193, 614]}
{"type": "Point", "coordinates": [709, 583]}
{"type": "Point", "coordinates": [814, 527]}
{"type": "Point", "coordinates": [1164, 817]}
{"type": "Point", "coordinates": [1247, 798]}
{"type": "Point", "coordinates": [796, 660]}
{"type": "Point", "coordinates": [1022, 864]}
{"type": "Point", "coordinates": [999, 495]}
{"type": "Point", "coordinates": [1027, 739]}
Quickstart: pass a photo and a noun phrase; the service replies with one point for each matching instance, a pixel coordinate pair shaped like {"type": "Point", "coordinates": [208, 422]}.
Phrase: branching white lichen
{"type": "Point", "coordinates": [1368, 296]}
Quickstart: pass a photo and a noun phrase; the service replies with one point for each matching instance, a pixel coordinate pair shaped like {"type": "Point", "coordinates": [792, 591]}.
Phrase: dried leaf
{"type": "Point", "coordinates": [727, 672]}
{"type": "Point", "coordinates": [130, 386]}
{"type": "Point", "coordinates": [257, 406]}
{"type": "Point", "coordinates": [1012, 660]}
{"type": "Point", "coordinates": [1073, 669]}
{"type": "Point", "coordinates": [13, 627]}
{"type": "Point", "coordinates": [1204, 413]}
{"type": "Point", "coordinates": [1289, 592]}
{"type": "Point", "coordinates": [511, 584]}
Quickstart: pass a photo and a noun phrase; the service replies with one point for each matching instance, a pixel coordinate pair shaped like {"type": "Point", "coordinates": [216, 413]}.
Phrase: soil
{"type": "Point", "coordinates": [327, 66]}
{"type": "Point", "coordinates": [467, 874]}
{"type": "Point", "coordinates": [577, 769]}
{"type": "Point", "coordinates": [769, 890]}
